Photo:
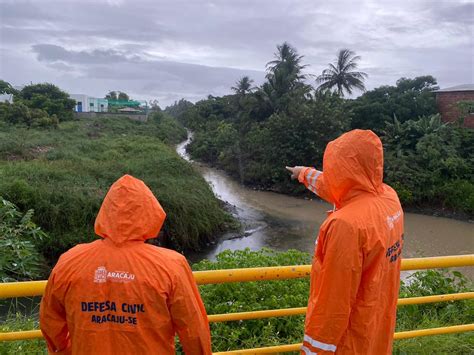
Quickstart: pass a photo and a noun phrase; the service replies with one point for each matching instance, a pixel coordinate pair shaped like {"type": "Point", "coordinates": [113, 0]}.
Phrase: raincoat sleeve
{"type": "Point", "coordinates": [333, 287]}
{"type": "Point", "coordinates": [53, 318]}
{"type": "Point", "coordinates": [314, 181]}
{"type": "Point", "coordinates": [189, 315]}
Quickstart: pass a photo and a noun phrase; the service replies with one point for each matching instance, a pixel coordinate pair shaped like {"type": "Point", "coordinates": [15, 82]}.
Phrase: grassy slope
{"type": "Point", "coordinates": [64, 174]}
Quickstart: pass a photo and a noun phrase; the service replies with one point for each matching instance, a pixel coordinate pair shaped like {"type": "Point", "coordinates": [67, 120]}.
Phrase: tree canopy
{"type": "Point", "coordinates": [409, 99]}
{"type": "Point", "coordinates": [243, 86]}
{"type": "Point", "coordinates": [284, 77]}
{"type": "Point", "coordinates": [6, 88]}
{"type": "Point", "coordinates": [47, 97]}
{"type": "Point", "coordinates": [117, 96]}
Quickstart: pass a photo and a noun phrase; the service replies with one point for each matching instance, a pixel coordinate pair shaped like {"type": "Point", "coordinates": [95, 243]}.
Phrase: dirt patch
{"type": "Point", "coordinates": [40, 149]}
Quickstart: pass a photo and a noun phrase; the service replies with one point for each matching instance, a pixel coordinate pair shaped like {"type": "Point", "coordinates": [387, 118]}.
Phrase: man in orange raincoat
{"type": "Point", "coordinates": [119, 295]}
{"type": "Point", "coordinates": [355, 275]}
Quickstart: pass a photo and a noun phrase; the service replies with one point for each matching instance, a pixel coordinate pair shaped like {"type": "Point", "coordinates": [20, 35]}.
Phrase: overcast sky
{"type": "Point", "coordinates": [166, 50]}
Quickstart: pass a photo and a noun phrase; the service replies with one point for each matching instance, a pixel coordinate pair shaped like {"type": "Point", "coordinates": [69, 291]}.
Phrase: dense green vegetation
{"type": "Point", "coordinates": [63, 174]}
{"type": "Point", "coordinates": [19, 113]}
{"type": "Point", "coordinates": [409, 99]}
{"type": "Point", "coordinates": [248, 296]}
{"type": "Point", "coordinates": [255, 296]}
{"type": "Point", "coordinates": [20, 238]}
{"type": "Point", "coordinates": [428, 162]}
{"type": "Point", "coordinates": [36, 105]}
{"type": "Point", "coordinates": [254, 133]}
{"type": "Point", "coordinates": [46, 97]}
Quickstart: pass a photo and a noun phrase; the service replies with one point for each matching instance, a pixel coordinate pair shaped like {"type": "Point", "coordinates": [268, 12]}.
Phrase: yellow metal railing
{"type": "Point", "coordinates": [227, 317]}
{"type": "Point", "coordinates": [36, 288]}
{"type": "Point", "coordinates": [401, 335]}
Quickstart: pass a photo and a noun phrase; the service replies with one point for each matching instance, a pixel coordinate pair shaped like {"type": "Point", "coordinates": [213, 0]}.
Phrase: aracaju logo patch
{"type": "Point", "coordinates": [101, 275]}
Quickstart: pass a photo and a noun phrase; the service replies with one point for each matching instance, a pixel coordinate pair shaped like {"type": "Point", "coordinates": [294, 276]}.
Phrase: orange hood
{"type": "Point", "coordinates": [130, 212]}
{"type": "Point", "coordinates": [352, 165]}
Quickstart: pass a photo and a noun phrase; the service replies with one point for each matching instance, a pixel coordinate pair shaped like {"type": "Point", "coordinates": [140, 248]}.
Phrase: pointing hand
{"type": "Point", "coordinates": [295, 171]}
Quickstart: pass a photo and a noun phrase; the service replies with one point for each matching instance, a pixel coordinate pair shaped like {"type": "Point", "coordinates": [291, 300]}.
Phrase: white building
{"type": "Point", "coordinates": [86, 103]}
{"type": "Point", "coordinates": [6, 98]}
{"type": "Point", "coordinates": [9, 97]}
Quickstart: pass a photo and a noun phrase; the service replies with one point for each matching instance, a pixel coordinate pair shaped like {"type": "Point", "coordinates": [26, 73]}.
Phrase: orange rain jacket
{"type": "Point", "coordinates": [355, 275]}
{"type": "Point", "coordinates": [119, 295]}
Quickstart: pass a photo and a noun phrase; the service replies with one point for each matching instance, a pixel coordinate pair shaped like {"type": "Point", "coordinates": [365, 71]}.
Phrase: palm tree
{"type": "Point", "coordinates": [340, 75]}
{"type": "Point", "coordinates": [286, 70]}
{"type": "Point", "coordinates": [287, 59]}
{"type": "Point", "coordinates": [243, 86]}
{"type": "Point", "coordinates": [284, 76]}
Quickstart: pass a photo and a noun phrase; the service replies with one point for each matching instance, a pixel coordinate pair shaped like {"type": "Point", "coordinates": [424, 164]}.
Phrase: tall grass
{"type": "Point", "coordinates": [64, 174]}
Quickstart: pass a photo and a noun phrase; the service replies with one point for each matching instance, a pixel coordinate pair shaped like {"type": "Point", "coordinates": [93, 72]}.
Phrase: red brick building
{"type": "Point", "coordinates": [447, 100]}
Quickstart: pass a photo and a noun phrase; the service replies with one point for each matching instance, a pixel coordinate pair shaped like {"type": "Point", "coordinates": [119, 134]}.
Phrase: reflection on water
{"type": "Point", "coordinates": [283, 222]}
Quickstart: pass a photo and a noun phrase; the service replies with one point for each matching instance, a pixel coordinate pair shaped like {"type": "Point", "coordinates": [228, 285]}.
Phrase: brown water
{"type": "Point", "coordinates": [283, 222]}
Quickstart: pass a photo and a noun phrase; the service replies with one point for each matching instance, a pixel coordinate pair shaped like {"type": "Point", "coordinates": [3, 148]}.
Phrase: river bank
{"type": "Point", "coordinates": [434, 211]}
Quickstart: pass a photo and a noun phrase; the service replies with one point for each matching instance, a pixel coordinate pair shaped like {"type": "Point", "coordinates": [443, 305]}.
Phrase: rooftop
{"type": "Point", "coordinates": [128, 109]}
{"type": "Point", "coordinates": [463, 87]}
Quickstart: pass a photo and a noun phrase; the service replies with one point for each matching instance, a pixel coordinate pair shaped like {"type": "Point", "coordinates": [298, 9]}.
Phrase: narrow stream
{"type": "Point", "coordinates": [283, 222]}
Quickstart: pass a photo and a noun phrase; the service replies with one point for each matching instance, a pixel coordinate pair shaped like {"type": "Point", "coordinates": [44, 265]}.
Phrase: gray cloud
{"type": "Point", "coordinates": [449, 11]}
{"type": "Point", "coordinates": [169, 49]}
{"type": "Point", "coordinates": [54, 53]}
{"type": "Point", "coordinates": [153, 74]}
{"type": "Point", "coordinates": [61, 66]}
{"type": "Point", "coordinates": [13, 12]}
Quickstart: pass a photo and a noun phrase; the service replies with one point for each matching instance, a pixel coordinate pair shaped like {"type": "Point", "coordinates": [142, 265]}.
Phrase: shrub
{"type": "Point", "coordinates": [19, 237]}
{"type": "Point", "coordinates": [250, 296]}
{"type": "Point", "coordinates": [19, 113]}
{"type": "Point", "coordinates": [168, 129]}
{"type": "Point", "coordinates": [408, 100]}
{"type": "Point", "coordinates": [15, 113]}
{"type": "Point", "coordinates": [430, 163]}
{"type": "Point", "coordinates": [47, 97]}
{"type": "Point", "coordinates": [458, 194]}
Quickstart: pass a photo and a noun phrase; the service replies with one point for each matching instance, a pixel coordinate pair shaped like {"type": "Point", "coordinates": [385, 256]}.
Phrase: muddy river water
{"type": "Point", "coordinates": [283, 222]}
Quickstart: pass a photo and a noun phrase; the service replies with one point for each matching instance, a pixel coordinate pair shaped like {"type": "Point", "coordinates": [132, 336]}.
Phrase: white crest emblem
{"type": "Point", "coordinates": [100, 275]}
